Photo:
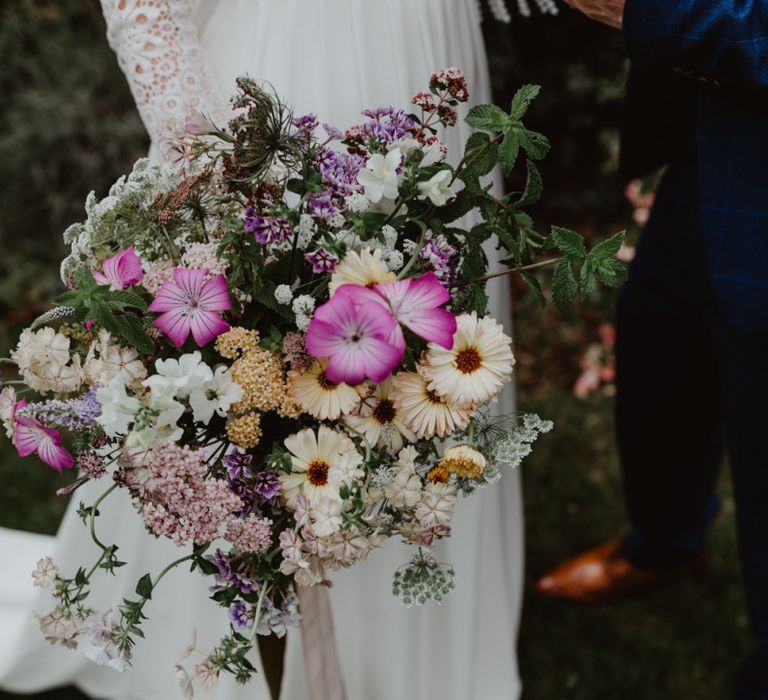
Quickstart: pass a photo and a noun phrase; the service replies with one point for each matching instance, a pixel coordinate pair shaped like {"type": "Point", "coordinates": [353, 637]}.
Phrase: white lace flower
{"type": "Point", "coordinates": [283, 294]}
{"type": "Point", "coordinates": [105, 360]}
{"type": "Point", "coordinates": [325, 517]}
{"type": "Point", "coordinates": [45, 573]}
{"type": "Point", "coordinates": [404, 490]}
{"type": "Point", "coordinates": [118, 410]}
{"type": "Point", "coordinates": [379, 177]}
{"type": "Point", "coordinates": [7, 406]}
{"type": "Point", "coordinates": [438, 188]}
{"type": "Point", "coordinates": [436, 505]}
{"type": "Point", "coordinates": [303, 307]}
{"type": "Point", "coordinates": [357, 203]}
{"type": "Point", "coordinates": [216, 395]}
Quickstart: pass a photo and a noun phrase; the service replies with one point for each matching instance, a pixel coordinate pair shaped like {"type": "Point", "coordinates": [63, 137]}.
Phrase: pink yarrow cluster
{"type": "Point", "coordinates": [251, 534]}
{"type": "Point", "coordinates": [179, 502]}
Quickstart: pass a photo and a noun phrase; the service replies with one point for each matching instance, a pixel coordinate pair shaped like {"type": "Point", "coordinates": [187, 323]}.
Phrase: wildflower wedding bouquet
{"type": "Point", "coordinates": [279, 347]}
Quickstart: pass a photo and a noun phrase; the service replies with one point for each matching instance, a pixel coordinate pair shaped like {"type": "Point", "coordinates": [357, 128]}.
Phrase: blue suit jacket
{"type": "Point", "coordinates": [700, 71]}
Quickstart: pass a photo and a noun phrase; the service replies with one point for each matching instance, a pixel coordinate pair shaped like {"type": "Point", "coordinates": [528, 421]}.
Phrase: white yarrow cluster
{"type": "Point", "coordinates": [303, 307]}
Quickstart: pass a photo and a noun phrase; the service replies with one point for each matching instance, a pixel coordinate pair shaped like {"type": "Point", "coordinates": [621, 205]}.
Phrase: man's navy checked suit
{"type": "Point", "coordinates": [693, 317]}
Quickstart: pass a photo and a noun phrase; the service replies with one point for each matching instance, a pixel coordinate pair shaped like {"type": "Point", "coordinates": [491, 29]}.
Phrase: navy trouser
{"type": "Point", "coordinates": [690, 387]}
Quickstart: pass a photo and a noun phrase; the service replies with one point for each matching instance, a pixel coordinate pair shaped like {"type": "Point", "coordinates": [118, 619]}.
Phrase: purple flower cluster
{"type": "Point", "coordinates": [338, 171]}
{"type": "Point", "coordinates": [440, 254]}
{"type": "Point", "coordinates": [387, 125]}
{"type": "Point", "coordinates": [75, 414]}
{"type": "Point", "coordinates": [238, 465]}
{"type": "Point", "coordinates": [266, 229]}
{"type": "Point", "coordinates": [239, 615]}
{"type": "Point", "coordinates": [305, 127]}
{"type": "Point", "coordinates": [322, 206]}
{"type": "Point", "coordinates": [229, 576]}
{"type": "Point", "coordinates": [322, 260]}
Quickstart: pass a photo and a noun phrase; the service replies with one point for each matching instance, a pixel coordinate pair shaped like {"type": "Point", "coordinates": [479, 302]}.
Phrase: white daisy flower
{"type": "Point", "coordinates": [365, 268]}
{"type": "Point", "coordinates": [322, 462]}
{"type": "Point", "coordinates": [478, 365]}
{"type": "Point", "coordinates": [423, 411]}
{"type": "Point", "coordinates": [319, 396]}
{"type": "Point", "coordinates": [379, 421]}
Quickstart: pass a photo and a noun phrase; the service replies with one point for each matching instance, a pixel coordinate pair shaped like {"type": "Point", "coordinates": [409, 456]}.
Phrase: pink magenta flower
{"type": "Point", "coordinates": [190, 303]}
{"type": "Point", "coordinates": [415, 303]}
{"type": "Point", "coordinates": [33, 438]}
{"type": "Point", "coordinates": [121, 270]}
{"type": "Point", "coordinates": [353, 333]}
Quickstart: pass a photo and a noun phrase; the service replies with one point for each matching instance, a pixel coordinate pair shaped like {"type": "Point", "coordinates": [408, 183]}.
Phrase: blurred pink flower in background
{"type": "Point", "coordinates": [598, 365]}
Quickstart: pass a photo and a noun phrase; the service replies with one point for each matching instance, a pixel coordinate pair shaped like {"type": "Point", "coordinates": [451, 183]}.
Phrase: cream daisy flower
{"type": "Point", "coordinates": [380, 421]}
{"type": "Point", "coordinates": [322, 464]}
{"type": "Point", "coordinates": [423, 411]}
{"type": "Point", "coordinates": [319, 396]}
{"type": "Point", "coordinates": [476, 368]}
{"type": "Point", "coordinates": [365, 268]}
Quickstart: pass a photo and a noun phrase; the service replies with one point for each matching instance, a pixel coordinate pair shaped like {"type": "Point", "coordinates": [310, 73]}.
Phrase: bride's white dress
{"type": "Point", "coordinates": [332, 57]}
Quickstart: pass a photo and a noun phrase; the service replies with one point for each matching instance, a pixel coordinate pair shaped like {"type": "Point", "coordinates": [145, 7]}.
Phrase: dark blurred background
{"type": "Point", "coordinates": [68, 125]}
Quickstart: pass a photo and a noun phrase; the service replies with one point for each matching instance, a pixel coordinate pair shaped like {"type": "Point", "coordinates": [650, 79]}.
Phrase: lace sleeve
{"type": "Point", "coordinates": [500, 11]}
{"type": "Point", "coordinates": [158, 48]}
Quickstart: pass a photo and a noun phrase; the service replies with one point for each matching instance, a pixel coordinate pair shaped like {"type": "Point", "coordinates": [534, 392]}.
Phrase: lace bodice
{"type": "Point", "coordinates": [158, 47]}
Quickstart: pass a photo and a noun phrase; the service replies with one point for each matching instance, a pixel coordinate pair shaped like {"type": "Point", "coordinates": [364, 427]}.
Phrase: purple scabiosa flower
{"type": "Point", "coordinates": [322, 260]}
{"type": "Point", "coordinates": [266, 229]}
{"type": "Point", "coordinates": [266, 485]}
{"type": "Point", "coordinates": [322, 206]}
{"type": "Point", "coordinates": [237, 465]}
{"type": "Point", "coordinates": [239, 615]}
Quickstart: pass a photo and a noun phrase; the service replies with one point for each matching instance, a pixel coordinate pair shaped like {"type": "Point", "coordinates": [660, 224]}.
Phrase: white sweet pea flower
{"type": "Point", "coordinates": [217, 395]}
{"type": "Point", "coordinates": [405, 146]}
{"type": "Point", "coordinates": [162, 398]}
{"type": "Point", "coordinates": [186, 373]}
{"type": "Point", "coordinates": [432, 154]}
{"type": "Point", "coordinates": [437, 188]}
{"type": "Point", "coordinates": [117, 408]}
{"type": "Point", "coordinates": [379, 177]}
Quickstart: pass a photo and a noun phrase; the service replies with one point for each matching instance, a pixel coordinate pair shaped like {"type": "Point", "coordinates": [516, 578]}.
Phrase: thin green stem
{"type": "Point", "coordinates": [94, 509]}
{"type": "Point", "coordinates": [510, 271]}
{"type": "Point", "coordinates": [259, 606]}
{"type": "Point", "coordinates": [415, 254]}
{"type": "Point", "coordinates": [171, 566]}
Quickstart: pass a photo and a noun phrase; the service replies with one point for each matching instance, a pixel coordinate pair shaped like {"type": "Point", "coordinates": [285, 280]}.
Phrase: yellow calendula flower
{"type": "Point", "coordinates": [463, 461]}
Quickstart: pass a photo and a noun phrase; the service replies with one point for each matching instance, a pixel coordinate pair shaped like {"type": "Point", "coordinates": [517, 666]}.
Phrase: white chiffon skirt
{"type": "Point", "coordinates": [331, 57]}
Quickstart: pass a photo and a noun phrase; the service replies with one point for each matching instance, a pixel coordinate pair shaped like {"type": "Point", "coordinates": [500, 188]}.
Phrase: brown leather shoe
{"type": "Point", "coordinates": [599, 574]}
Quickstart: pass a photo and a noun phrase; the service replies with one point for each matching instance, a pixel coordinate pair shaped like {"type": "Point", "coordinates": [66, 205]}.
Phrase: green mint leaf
{"type": "Point", "coordinates": [609, 247]}
{"type": "Point", "coordinates": [132, 329]}
{"type": "Point", "coordinates": [568, 242]}
{"type": "Point", "coordinates": [522, 100]}
{"type": "Point", "coordinates": [564, 285]}
{"type": "Point", "coordinates": [533, 282]}
{"type": "Point", "coordinates": [534, 144]}
{"type": "Point", "coordinates": [487, 117]}
{"type": "Point", "coordinates": [509, 149]}
{"type": "Point", "coordinates": [533, 186]}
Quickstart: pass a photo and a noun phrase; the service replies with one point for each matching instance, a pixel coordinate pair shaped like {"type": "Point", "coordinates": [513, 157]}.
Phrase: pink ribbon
{"type": "Point", "coordinates": [321, 657]}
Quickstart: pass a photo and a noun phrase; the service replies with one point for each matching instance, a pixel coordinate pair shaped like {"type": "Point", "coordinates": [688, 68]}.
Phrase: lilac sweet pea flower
{"type": "Point", "coordinates": [32, 437]}
{"type": "Point", "coordinates": [189, 303]}
{"type": "Point", "coordinates": [354, 337]}
{"type": "Point", "coordinates": [121, 270]}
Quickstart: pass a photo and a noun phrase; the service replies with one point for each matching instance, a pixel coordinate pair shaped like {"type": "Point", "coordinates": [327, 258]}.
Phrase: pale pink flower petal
{"type": "Point", "coordinates": [415, 302]}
